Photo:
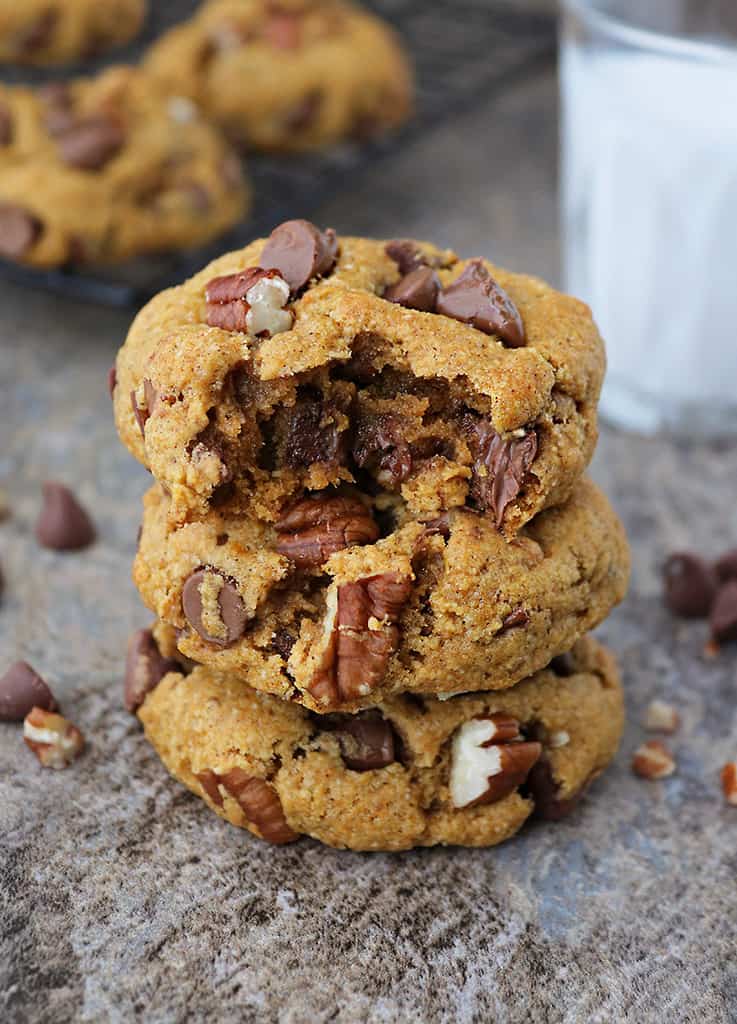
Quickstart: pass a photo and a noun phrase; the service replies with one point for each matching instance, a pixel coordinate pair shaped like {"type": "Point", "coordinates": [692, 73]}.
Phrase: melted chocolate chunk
{"type": "Point", "coordinates": [500, 467]}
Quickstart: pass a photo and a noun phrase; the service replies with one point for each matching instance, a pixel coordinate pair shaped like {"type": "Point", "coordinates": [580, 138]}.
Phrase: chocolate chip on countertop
{"type": "Point", "coordinates": [690, 585]}
{"type": "Point", "coordinates": [366, 740]}
{"type": "Point", "coordinates": [406, 254]}
{"type": "Point", "coordinates": [723, 618]}
{"type": "Point", "coordinates": [22, 688]}
{"type": "Point", "coordinates": [63, 524]}
{"type": "Point", "coordinates": [726, 566]}
{"type": "Point", "coordinates": [475, 298]}
{"type": "Point", "coordinates": [91, 142]}
{"type": "Point", "coordinates": [19, 230]}
{"type": "Point", "coordinates": [6, 125]}
{"type": "Point", "coordinates": [218, 615]}
{"type": "Point", "coordinates": [416, 290]}
{"type": "Point", "coordinates": [300, 251]}
{"type": "Point", "coordinates": [145, 667]}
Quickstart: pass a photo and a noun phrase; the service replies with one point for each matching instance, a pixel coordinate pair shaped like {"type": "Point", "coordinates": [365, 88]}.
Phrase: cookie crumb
{"type": "Point", "coordinates": [661, 717]}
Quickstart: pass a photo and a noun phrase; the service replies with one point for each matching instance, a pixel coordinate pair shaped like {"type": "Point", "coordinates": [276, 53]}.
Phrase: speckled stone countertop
{"type": "Point", "coordinates": [123, 898]}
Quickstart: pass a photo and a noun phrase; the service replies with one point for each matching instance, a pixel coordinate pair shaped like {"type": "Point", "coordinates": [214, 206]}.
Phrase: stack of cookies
{"type": "Point", "coordinates": [370, 547]}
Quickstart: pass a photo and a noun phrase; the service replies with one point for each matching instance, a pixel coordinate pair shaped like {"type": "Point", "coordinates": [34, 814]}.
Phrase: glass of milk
{"type": "Point", "coordinates": [649, 204]}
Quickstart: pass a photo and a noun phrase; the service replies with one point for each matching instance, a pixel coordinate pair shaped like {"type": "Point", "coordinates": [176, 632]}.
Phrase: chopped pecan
{"type": "Point", "coordinates": [316, 527]}
{"type": "Point", "coordinates": [260, 803]}
{"type": "Point", "coordinates": [251, 301]}
{"type": "Point", "coordinates": [500, 467]}
{"type": "Point", "coordinates": [653, 760]}
{"type": "Point", "coordinates": [661, 717]}
{"type": "Point", "coordinates": [728, 777]}
{"type": "Point", "coordinates": [489, 761]}
{"type": "Point", "coordinates": [52, 738]}
{"type": "Point", "coordinates": [360, 636]}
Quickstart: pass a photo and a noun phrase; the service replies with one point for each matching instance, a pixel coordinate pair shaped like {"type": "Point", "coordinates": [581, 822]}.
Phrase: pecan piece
{"type": "Point", "coordinates": [260, 804]}
{"type": "Point", "coordinates": [653, 760]}
{"type": "Point", "coordinates": [500, 467]}
{"type": "Point", "coordinates": [145, 667]}
{"type": "Point", "coordinates": [360, 636]}
{"type": "Point", "coordinates": [52, 738]}
{"type": "Point", "coordinates": [489, 761]}
{"type": "Point", "coordinates": [251, 301]}
{"type": "Point", "coordinates": [316, 527]}
{"type": "Point", "coordinates": [728, 778]}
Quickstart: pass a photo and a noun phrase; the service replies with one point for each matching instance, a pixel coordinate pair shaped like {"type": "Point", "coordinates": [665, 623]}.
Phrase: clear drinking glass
{"type": "Point", "coordinates": [649, 203]}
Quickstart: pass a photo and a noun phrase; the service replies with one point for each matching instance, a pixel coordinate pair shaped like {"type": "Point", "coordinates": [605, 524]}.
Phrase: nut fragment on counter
{"type": "Point", "coordinates": [728, 778]}
{"type": "Point", "coordinates": [54, 740]}
{"type": "Point", "coordinates": [653, 760]}
{"type": "Point", "coordinates": [662, 717]}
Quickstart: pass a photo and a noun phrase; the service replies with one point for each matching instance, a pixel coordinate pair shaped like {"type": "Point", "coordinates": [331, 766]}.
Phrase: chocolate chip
{"type": "Point", "coordinates": [313, 435]}
{"type": "Point", "coordinates": [142, 413]}
{"type": "Point", "coordinates": [63, 524]}
{"type": "Point", "coordinates": [91, 142]}
{"type": "Point", "coordinates": [214, 607]}
{"type": "Point", "coordinates": [6, 125]}
{"type": "Point", "coordinates": [379, 447]}
{"type": "Point", "coordinates": [416, 290]}
{"type": "Point", "coordinates": [723, 618]}
{"type": "Point", "coordinates": [475, 298]}
{"type": "Point", "coordinates": [500, 467]}
{"type": "Point", "coordinates": [541, 786]}
{"type": "Point", "coordinates": [406, 254]}
{"type": "Point", "coordinates": [690, 585]}
{"type": "Point", "coordinates": [300, 251]}
{"type": "Point", "coordinates": [726, 566]}
{"type": "Point", "coordinates": [145, 667]}
{"type": "Point", "coordinates": [38, 34]}
{"type": "Point", "coordinates": [303, 114]}
{"type": "Point", "coordinates": [112, 380]}
{"type": "Point", "coordinates": [518, 617]}
{"type": "Point", "coordinates": [59, 103]}
{"type": "Point", "coordinates": [19, 230]}
{"type": "Point", "coordinates": [366, 741]}
{"type": "Point", "coordinates": [22, 688]}
{"type": "Point", "coordinates": [564, 665]}
{"type": "Point", "coordinates": [282, 643]}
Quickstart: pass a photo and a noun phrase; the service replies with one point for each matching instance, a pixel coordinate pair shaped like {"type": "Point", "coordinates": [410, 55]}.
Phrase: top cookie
{"type": "Point", "coordinates": [57, 31]}
{"type": "Point", "coordinates": [307, 361]}
{"type": "Point", "coordinates": [290, 75]}
{"type": "Point", "coordinates": [97, 170]}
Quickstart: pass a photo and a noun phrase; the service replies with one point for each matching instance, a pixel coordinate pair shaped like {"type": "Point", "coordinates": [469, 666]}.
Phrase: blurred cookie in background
{"type": "Point", "coordinates": [104, 169]}
{"type": "Point", "coordinates": [43, 32]}
{"type": "Point", "coordinates": [295, 75]}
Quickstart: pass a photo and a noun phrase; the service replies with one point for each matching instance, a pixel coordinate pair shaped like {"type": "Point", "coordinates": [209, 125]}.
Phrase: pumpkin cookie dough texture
{"type": "Point", "coordinates": [308, 361]}
{"type": "Point", "coordinates": [448, 605]}
{"type": "Point", "coordinates": [410, 772]}
{"type": "Point", "coordinates": [57, 31]}
{"type": "Point", "coordinates": [289, 76]}
{"type": "Point", "coordinates": [101, 170]}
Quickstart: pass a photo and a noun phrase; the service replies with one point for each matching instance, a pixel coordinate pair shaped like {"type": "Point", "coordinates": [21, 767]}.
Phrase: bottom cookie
{"type": "Point", "coordinates": [414, 771]}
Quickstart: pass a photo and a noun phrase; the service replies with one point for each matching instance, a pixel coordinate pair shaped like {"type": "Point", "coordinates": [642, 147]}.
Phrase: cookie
{"type": "Point", "coordinates": [444, 606]}
{"type": "Point", "coordinates": [307, 361]}
{"type": "Point", "coordinates": [100, 170]}
{"type": "Point", "coordinates": [57, 31]}
{"type": "Point", "coordinates": [289, 76]}
{"type": "Point", "coordinates": [409, 772]}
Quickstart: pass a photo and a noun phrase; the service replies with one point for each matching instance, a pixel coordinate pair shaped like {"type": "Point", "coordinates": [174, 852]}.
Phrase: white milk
{"type": "Point", "coordinates": [649, 183]}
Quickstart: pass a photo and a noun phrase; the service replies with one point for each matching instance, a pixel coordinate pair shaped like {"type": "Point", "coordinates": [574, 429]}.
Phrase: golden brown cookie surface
{"type": "Point", "coordinates": [101, 170]}
{"type": "Point", "coordinates": [307, 361]}
{"type": "Point", "coordinates": [289, 76]}
{"type": "Point", "coordinates": [410, 772]}
{"type": "Point", "coordinates": [444, 606]}
{"type": "Point", "coordinates": [57, 31]}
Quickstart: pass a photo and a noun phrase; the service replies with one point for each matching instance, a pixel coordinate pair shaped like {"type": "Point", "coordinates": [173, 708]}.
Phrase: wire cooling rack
{"type": "Point", "coordinates": [464, 51]}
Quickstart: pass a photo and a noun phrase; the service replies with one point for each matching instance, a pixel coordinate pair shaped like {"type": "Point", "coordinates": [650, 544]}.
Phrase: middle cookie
{"type": "Point", "coordinates": [342, 603]}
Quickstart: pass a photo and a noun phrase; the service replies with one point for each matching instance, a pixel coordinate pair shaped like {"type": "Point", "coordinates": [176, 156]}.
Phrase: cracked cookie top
{"type": "Point", "coordinates": [408, 772]}
{"type": "Point", "coordinates": [101, 170]}
{"type": "Point", "coordinates": [308, 361]}
{"type": "Point", "coordinates": [289, 76]}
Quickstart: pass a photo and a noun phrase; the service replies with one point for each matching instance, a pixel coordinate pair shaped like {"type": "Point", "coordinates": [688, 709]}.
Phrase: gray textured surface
{"type": "Point", "coordinates": [122, 897]}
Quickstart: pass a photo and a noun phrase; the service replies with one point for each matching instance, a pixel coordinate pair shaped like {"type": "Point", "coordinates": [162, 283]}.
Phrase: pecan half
{"type": "Point", "coordinates": [500, 467]}
{"type": "Point", "coordinates": [488, 760]}
{"type": "Point", "coordinates": [316, 527]}
{"type": "Point", "coordinates": [360, 636]}
{"type": "Point", "coordinates": [251, 301]}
